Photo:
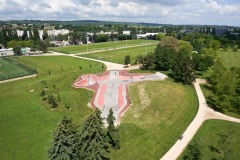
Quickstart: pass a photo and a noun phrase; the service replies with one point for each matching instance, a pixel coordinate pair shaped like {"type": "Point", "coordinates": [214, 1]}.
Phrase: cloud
{"type": "Point", "coordinates": [224, 12]}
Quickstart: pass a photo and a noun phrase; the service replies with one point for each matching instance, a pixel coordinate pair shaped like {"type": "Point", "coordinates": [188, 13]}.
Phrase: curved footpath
{"type": "Point", "coordinates": [204, 113]}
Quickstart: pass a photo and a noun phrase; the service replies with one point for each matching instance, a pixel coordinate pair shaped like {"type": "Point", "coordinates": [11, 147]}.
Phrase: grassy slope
{"type": "Point", "coordinates": [99, 46]}
{"type": "Point", "coordinates": [161, 111]}
{"type": "Point", "coordinates": [26, 121]}
{"type": "Point", "coordinates": [117, 56]}
{"type": "Point", "coordinates": [209, 135]}
{"type": "Point", "coordinates": [230, 58]}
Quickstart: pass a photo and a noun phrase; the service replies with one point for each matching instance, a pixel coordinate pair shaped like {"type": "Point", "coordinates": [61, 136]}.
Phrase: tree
{"type": "Point", "coordinates": [42, 45]}
{"type": "Point", "coordinates": [202, 62]}
{"type": "Point", "coordinates": [235, 49]}
{"type": "Point", "coordinates": [183, 68]}
{"type": "Point", "coordinates": [64, 144]}
{"type": "Point", "coordinates": [93, 140]}
{"type": "Point", "coordinates": [25, 35]}
{"type": "Point", "coordinates": [102, 38]}
{"type": "Point", "coordinates": [80, 68]}
{"type": "Point", "coordinates": [194, 151]}
{"type": "Point", "coordinates": [224, 143]}
{"type": "Point", "coordinates": [36, 34]}
{"type": "Point", "coordinates": [127, 60]}
{"type": "Point", "coordinates": [17, 50]}
{"type": "Point", "coordinates": [112, 131]}
{"type": "Point", "coordinates": [102, 68]}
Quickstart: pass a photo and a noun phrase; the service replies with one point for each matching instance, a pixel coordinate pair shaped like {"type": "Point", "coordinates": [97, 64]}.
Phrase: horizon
{"type": "Point", "coordinates": [175, 12]}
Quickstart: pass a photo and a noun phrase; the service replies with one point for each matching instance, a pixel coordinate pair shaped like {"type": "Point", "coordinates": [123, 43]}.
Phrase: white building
{"type": "Point", "coordinates": [127, 32]}
{"type": "Point", "coordinates": [6, 52]}
{"type": "Point", "coordinates": [57, 32]}
{"type": "Point", "coordinates": [145, 35]}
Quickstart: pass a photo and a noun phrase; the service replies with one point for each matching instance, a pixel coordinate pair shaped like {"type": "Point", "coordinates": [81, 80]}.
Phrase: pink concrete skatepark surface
{"type": "Point", "coordinates": [111, 89]}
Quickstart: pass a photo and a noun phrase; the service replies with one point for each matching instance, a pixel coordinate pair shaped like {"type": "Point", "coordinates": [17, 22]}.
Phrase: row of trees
{"type": "Point", "coordinates": [92, 142]}
{"type": "Point", "coordinates": [226, 88]}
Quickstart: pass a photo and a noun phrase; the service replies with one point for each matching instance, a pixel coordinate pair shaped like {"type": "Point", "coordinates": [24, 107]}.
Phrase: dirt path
{"type": "Point", "coordinates": [204, 113]}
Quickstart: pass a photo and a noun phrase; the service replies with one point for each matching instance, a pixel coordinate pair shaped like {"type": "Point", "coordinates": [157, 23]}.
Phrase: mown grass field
{"type": "Point", "coordinates": [99, 46]}
{"type": "Point", "coordinates": [160, 112]}
{"type": "Point", "coordinates": [230, 58]}
{"type": "Point", "coordinates": [10, 70]}
{"type": "Point", "coordinates": [117, 56]}
{"type": "Point", "coordinates": [209, 135]}
{"type": "Point", "coordinates": [27, 122]}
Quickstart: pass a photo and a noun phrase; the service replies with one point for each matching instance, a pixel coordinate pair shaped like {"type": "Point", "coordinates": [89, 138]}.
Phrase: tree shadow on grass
{"type": "Point", "coordinates": [213, 149]}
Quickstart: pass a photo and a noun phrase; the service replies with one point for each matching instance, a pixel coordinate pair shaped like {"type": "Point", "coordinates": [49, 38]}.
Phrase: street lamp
{"type": "Point", "coordinates": [88, 89]}
{"type": "Point", "coordinates": [126, 40]}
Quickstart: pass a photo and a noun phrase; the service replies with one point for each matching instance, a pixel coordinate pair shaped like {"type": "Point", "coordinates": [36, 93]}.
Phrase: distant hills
{"type": "Point", "coordinates": [80, 22]}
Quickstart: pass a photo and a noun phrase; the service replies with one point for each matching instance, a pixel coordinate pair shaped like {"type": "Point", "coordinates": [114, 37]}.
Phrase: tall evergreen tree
{"type": "Point", "coordinates": [112, 131]}
{"type": "Point", "coordinates": [93, 143]}
{"type": "Point", "coordinates": [64, 145]}
{"type": "Point", "coordinates": [127, 60]}
{"type": "Point", "coordinates": [36, 34]}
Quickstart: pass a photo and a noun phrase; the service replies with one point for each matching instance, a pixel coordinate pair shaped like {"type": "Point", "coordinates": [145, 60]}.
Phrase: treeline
{"type": "Point", "coordinates": [201, 40]}
{"type": "Point", "coordinates": [94, 141]}
{"type": "Point", "coordinates": [178, 57]}
{"type": "Point", "coordinates": [225, 85]}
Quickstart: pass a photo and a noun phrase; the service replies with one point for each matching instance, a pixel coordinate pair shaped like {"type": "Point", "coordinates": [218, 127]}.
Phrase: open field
{"type": "Point", "coordinates": [99, 46]}
{"type": "Point", "coordinates": [149, 127]}
{"type": "Point", "coordinates": [209, 135]}
{"type": "Point", "coordinates": [117, 56]}
{"type": "Point", "coordinates": [26, 121]}
{"type": "Point", "coordinates": [10, 69]}
{"type": "Point", "coordinates": [230, 58]}
{"type": "Point", "coordinates": [160, 112]}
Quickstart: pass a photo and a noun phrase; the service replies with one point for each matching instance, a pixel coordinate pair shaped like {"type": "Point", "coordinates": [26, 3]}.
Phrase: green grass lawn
{"type": "Point", "coordinates": [10, 70]}
{"type": "Point", "coordinates": [117, 56]}
{"type": "Point", "coordinates": [99, 46]}
{"type": "Point", "coordinates": [160, 112]}
{"type": "Point", "coordinates": [27, 122]}
{"type": "Point", "coordinates": [210, 133]}
{"type": "Point", "coordinates": [230, 58]}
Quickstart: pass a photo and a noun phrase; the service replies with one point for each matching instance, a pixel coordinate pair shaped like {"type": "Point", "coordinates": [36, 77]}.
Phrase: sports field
{"type": "Point", "coordinates": [117, 56]}
{"type": "Point", "coordinates": [9, 69]}
{"type": "Point", "coordinates": [100, 46]}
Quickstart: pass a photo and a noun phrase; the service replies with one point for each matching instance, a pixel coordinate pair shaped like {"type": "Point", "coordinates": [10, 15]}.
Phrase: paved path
{"type": "Point", "coordinates": [204, 113]}
{"type": "Point", "coordinates": [18, 78]}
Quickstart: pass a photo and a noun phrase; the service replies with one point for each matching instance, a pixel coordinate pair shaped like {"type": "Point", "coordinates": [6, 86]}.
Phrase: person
{"type": "Point", "coordinates": [181, 137]}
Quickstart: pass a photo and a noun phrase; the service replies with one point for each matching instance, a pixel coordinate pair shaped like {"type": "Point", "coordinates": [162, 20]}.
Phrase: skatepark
{"type": "Point", "coordinates": [111, 90]}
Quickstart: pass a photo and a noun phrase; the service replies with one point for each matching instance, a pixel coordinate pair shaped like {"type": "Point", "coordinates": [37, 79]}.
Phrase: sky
{"type": "Point", "coordinates": [209, 12]}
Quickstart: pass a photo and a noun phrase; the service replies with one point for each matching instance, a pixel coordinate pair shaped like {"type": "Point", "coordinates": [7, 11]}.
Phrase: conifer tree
{"type": "Point", "coordinates": [64, 143]}
{"type": "Point", "coordinates": [112, 131]}
{"type": "Point", "coordinates": [93, 143]}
